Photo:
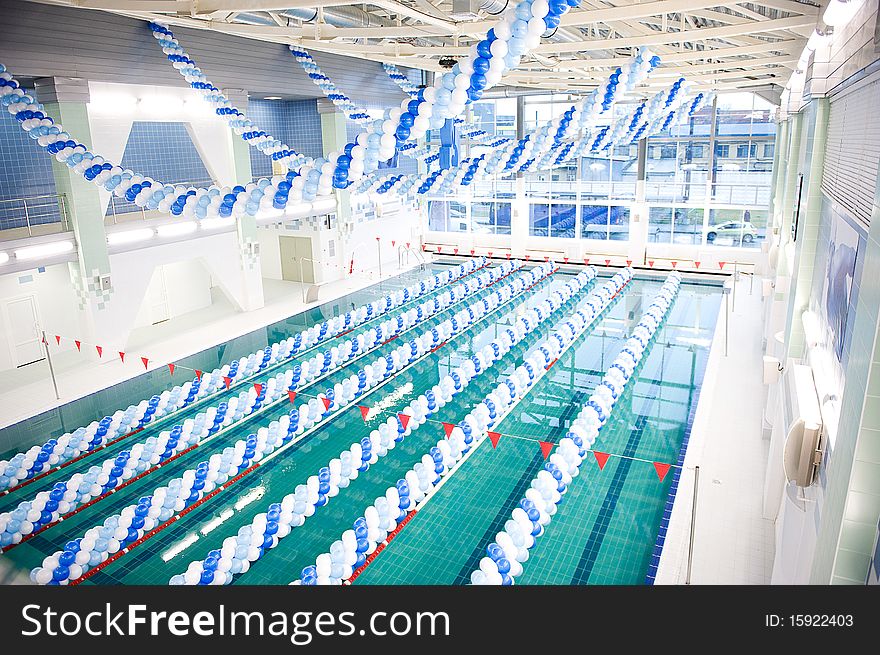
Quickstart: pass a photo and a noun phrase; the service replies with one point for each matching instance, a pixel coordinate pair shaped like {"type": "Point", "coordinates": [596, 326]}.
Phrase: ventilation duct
{"type": "Point", "coordinates": [338, 17]}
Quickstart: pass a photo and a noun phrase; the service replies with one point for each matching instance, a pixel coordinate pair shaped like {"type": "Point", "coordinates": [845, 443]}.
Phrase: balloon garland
{"type": "Point", "coordinates": [382, 517]}
{"type": "Point", "coordinates": [543, 143]}
{"type": "Point", "coordinates": [505, 556]}
{"type": "Point", "coordinates": [516, 33]}
{"type": "Point", "coordinates": [334, 94]}
{"type": "Point", "coordinates": [293, 510]}
{"type": "Point", "coordinates": [237, 121]}
{"type": "Point", "coordinates": [81, 488]}
{"type": "Point", "coordinates": [124, 528]}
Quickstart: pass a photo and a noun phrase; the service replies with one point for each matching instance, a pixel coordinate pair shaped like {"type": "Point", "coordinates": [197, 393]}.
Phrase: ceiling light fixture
{"type": "Point", "coordinates": [44, 250]}
{"type": "Point", "coordinates": [272, 98]}
{"type": "Point", "coordinates": [176, 229]}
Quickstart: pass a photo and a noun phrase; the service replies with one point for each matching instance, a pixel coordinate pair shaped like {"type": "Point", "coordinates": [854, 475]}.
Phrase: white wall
{"type": "Point", "coordinates": [56, 305]}
{"type": "Point", "coordinates": [187, 289]}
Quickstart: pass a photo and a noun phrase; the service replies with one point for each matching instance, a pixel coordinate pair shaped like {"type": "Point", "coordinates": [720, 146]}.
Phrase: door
{"type": "Point", "coordinates": [158, 295]}
{"type": "Point", "coordinates": [24, 338]}
{"type": "Point", "coordinates": [296, 259]}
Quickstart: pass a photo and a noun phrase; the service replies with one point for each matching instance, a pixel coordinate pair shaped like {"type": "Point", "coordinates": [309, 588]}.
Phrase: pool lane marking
{"type": "Point", "coordinates": [283, 448]}
{"type": "Point", "coordinates": [436, 488]}
{"type": "Point", "coordinates": [235, 383]}
{"type": "Point", "coordinates": [219, 433]}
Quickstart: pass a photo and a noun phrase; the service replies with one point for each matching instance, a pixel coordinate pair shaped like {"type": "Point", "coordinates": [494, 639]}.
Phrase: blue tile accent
{"type": "Point", "coordinates": [165, 152]}
{"type": "Point", "coordinates": [296, 123]}
{"type": "Point", "coordinates": [25, 171]}
{"type": "Point", "coordinates": [675, 471]}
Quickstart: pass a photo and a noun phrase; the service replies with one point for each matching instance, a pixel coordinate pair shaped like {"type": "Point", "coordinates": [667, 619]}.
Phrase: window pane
{"type": "Point", "coordinates": [618, 223]}
{"type": "Point", "coordinates": [736, 227]}
{"type": "Point", "coordinates": [660, 224]}
{"type": "Point", "coordinates": [687, 225]}
{"type": "Point", "coordinates": [594, 222]}
{"type": "Point", "coordinates": [563, 219]}
{"type": "Point", "coordinates": [539, 220]}
{"type": "Point", "coordinates": [446, 216]}
{"type": "Point", "coordinates": [490, 217]}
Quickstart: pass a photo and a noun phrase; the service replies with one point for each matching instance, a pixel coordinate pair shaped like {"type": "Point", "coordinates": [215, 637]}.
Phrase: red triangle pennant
{"type": "Point", "coordinates": [472, 251]}
{"type": "Point", "coordinates": [100, 351]}
{"type": "Point", "coordinates": [507, 255]}
{"type": "Point", "coordinates": [651, 263]}
{"type": "Point", "coordinates": [601, 458]}
{"type": "Point", "coordinates": [291, 395]}
{"type": "Point", "coordinates": [455, 250]}
{"type": "Point", "coordinates": [258, 388]}
{"type": "Point", "coordinates": [198, 374]}
{"type": "Point", "coordinates": [122, 356]}
{"type": "Point", "coordinates": [404, 419]}
{"type": "Point", "coordinates": [565, 259]}
{"type": "Point", "coordinates": [377, 238]}
{"type": "Point", "coordinates": [407, 244]}
{"type": "Point", "coordinates": [171, 369]}
{"type": "Point", "coordinates": [448, 428]}
{"type": "Point", "coordinates": [674, 264]}
{"type": "Point", "coordinates": [146, 362]}
{"type": "Point", "coordinates": [629, 262]}
{"type": "Point", "coordinates": [607, 262]}
{"type": "Point", "coordinates": [721, 265]}
{"type": "Point", "coordinates": [364, 411]}
{"type": "Point", "coordinates": [697, 264]}
{"type": "Point", "coordinates": [58, 339]}
{"type": "Point", "coordinates": [439, 248]}
{"type": "Point", "coordinates": [587, 261]}
{"type": "Point", "coordinates": [424, 247]}
{"type": "Point", "coordinates": [490, 253]}
{"type": "Point", "coordinates": [494, 437]}
{"type": "Point", "coordinates": [546, 447]}
{"type": "Point", "coordinates": [528, 257]}
{"type": "Point", "coordinates": [393, 243]}
{"type": "Point", "coordinates": [227, 380]}
{"type": "Point", "coordinates": [662, 470]}
{"type": "Point", "coordinates": [326, 402]}
{"type": "Point", "coordinates": [78, 345]}
{"type": "Point", "coordinates": [546, 258]}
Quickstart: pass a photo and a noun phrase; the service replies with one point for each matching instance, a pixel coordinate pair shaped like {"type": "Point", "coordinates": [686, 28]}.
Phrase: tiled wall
{"type": "Point", "coordinates": [296, 123]}
{"type": "Point", "coordinates": [25, 171]}
{"type": "Point", "coordinates": [164, 151]}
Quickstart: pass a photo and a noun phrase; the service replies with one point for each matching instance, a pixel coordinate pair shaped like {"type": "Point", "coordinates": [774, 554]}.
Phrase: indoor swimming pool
{"type": "Point", "coordinates": [608, 525]}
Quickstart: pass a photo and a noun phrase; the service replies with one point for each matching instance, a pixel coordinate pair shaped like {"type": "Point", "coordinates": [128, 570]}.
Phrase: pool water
{"type": "Point", "coordinates": [605, 529]}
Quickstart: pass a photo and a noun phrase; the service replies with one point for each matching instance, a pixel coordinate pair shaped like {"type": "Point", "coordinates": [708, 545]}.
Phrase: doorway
{"type": "Point", "coordinates": [296, 259]}
{"type": "Point", "coordinates": [23, 335]}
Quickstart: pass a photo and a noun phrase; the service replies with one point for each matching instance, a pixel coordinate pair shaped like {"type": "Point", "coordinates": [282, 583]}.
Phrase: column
{"type": "Point", "coordinates": [780, 166]}
{"type": "Point", "coordinates": [789, 197]}
{"type": "Point", "coordinates": [66, 100]}
{"type": "Point", "coordinates": [334, 136]}
{"type": "Point", "coordinates": [815, 129]}
{"type": "Point", "coordinates": [246, 226]}
{"type": "Point", "coordinates": [519, 208]}
{"type": "Point", "coordinates": [638, 230]}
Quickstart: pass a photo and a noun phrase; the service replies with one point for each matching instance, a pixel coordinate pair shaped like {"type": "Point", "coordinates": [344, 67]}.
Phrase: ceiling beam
{"type": "Point", "coordinates": [703, 34]}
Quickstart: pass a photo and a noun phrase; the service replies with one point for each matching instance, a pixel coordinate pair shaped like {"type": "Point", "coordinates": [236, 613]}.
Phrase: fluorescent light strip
{"type": "Point", "coordinates": [4, 257]}
{"type": "Point", "coordinates": [129, 236]}
{"type": "Point", "coordinates": [44, 250]}
{"type": "Point", "coordinates": [216, 223]}
{"type": "Point", "coordinates": [176, 229]}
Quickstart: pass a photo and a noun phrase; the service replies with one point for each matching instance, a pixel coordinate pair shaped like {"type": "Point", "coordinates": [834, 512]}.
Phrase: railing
{"type": "Point", "coordinates": [121, 209]}
{"type": "Point", "coordinates": [29, 212]}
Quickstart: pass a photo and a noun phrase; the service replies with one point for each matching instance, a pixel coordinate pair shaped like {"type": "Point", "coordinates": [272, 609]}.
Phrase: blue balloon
{"type": "Point", "coordinates": [481, 64]}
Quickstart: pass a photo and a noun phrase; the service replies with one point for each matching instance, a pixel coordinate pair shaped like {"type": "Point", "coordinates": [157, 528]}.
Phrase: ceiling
{"type": "Point", "coordinates": [750, 46]}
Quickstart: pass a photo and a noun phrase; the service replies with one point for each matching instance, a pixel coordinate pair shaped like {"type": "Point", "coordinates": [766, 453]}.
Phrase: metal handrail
{"type": "Point", "coordinates": [58, 201]}
{"type": "Point", "coordinates": [114, 199]}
